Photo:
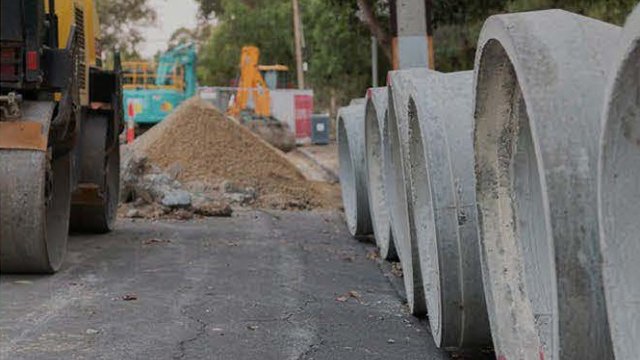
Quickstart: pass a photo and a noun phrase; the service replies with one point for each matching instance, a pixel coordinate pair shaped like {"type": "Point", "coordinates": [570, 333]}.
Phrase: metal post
{"type": "Point", "coordinates": [374, 62]}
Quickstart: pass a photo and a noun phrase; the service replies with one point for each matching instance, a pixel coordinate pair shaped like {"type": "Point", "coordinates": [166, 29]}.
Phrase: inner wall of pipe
{"type": "Point", "coordinates": [377, 195]}
{"type": "Point", "coordinates": [620, 195]}
{"type": "Point", "coordinates": [515, 239]}
{"type": "Point", "coordinates": [530, 226]}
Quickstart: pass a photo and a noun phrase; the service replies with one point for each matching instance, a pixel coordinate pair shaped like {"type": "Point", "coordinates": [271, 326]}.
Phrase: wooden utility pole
{"type": "Point", "coordinates": [298, 40]}
{"type": "Point", "coordinates": [428, 4]}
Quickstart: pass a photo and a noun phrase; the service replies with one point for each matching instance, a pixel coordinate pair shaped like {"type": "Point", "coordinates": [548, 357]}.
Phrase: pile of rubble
{"type": "Point", "coordinates": [149, 192]}
{"type": "Point", "coordinates": [197, 162]}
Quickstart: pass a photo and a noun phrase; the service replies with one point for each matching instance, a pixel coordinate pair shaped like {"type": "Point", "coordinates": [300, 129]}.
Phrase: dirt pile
{"type": "Point", "coordinates": [200, 148]}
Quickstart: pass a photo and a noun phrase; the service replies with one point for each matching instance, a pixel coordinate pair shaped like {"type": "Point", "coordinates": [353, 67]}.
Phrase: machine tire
{"type": "Point", "coordinates": [97, 148]}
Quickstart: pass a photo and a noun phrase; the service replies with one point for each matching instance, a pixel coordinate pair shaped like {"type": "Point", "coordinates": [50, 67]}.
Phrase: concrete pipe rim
{"type": "Point", "coordinates": [502, 169]}
{"type": "Point", "coordinates": [347, 176]}
{"type": "Point", "coordinates": [424, 221]}
{"type": "Point", "coordinates": [404, 240]}
{"type": "Point", "coordinates": [375, 174]}
{"type": "Point", "coordinates": [560, 61]}
{"type": "Point", "coordinates": [619, 193]}
{"type": "Point", "coordinates": [444, 209]}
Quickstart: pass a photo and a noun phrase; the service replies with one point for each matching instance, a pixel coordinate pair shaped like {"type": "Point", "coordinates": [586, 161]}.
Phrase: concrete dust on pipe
{"type": "Point", "coordinates": [375, 127]}
{"type": "Point", "coordinates": [395, 148]}
{"type": "Point", "coordinates": [441, 171]}
{"type": "Point", "coordinates": [353, 177]}
{"type": "Point", "coordinates": [619, 193]}
{"type": "Point", "coordinates": [539, 94]}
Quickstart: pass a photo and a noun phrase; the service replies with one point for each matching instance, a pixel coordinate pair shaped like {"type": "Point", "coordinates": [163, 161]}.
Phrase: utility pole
{"type": "Point", "coordinates": [428, 4]}
{"type": "Point", "coordinates": [298, 40]}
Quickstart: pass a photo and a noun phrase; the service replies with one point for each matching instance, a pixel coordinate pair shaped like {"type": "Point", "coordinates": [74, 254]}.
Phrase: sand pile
{"type": "Point", "coordinates": [199, 145]}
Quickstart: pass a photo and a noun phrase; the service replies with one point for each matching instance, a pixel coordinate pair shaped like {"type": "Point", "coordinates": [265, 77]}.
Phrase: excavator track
{"type": "Point", "coordinates": [35, 199]}
{"type": "Point", "coordinates": [95, 201]}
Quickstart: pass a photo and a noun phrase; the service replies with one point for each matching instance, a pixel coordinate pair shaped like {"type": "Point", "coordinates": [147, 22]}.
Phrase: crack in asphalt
{"type": "Point", "coordinates": [313, 348]}
{"type": "Point", "coordinates": [182, 345]}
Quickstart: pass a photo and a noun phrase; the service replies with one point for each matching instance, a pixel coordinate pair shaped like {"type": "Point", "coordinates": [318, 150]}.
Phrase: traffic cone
{"type": "Point", "coordinates": [131, 124]}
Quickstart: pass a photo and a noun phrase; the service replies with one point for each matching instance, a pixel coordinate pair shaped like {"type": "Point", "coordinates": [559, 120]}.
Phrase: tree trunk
{"type": "Point", "coordinates": [369, 19]}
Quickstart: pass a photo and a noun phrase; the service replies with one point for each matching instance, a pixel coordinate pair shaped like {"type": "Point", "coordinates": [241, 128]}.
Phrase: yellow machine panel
{"type": "Point", "coordinates": [83, 14]}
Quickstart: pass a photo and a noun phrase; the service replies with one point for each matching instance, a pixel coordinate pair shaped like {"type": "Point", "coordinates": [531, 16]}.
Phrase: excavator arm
{"type": "Point", "coordinates": [251, 85]}
{"type": "Point", "coordinates": [181, 56]}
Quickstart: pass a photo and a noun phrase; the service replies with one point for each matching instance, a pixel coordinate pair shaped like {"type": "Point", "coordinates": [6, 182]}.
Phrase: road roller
{"type": "Point", "coordinates": [60, 120]}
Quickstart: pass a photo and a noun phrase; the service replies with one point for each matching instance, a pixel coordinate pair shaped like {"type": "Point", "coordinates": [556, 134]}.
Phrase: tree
{"type": "Point", "coordinates": [120, 23]}
{"type": "Point", "coordinates": [339, 51]}
{"type": "Point", "coordinates": [198, 36]}
{"type": "Point", "coordinates": [210, 7]}
{"type": "Point", "coordinates": [337, 45]}
{"type": "Point", "coordinates": [269, 28]}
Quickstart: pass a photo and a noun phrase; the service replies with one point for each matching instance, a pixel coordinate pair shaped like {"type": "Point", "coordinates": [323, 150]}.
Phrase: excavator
{"type": "Point", "coordinates": [252, 103]}
{"type": "Point", "coordinates": [156, 91]}
{"type": "Point", "coordinates": [60, 118]}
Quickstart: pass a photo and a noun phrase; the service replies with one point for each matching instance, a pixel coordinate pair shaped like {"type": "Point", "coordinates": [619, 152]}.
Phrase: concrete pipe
{"type": "Point", "coordinates": [395, 148]}
{"type": "Point", "coordinates": [619, 190]}
{"type": "Point", "coordinates": [375, 127]}
{"type": "Point", "coordinates": [539, 94]}
{"type": "Point", "coordinates": [353, 177]}
{"type": "Point", "coordinates": [441, 169]}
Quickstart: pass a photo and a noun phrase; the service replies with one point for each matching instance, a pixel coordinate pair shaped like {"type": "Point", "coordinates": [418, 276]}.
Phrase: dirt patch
{"type": "Point", "coordinates": [198, 144]}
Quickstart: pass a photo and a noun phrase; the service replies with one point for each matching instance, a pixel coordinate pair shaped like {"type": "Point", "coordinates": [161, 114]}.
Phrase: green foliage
{"type": "Point", "coordinates": [459, 22]}
{"type": "Point", "coordinates": [339, 51]}
{"type": "Point", "coordinates": [613, 11]}
{"type": "Point", "coordinates": [120, 22]}
{"type": "Point", "coordinates": [337, 37]}
{"type": "Point", "coordinates": [337, 45]}
{"type": "Point", "coordinates": [210, 7]}
{"type": "Point", "coordinates": [268, 28]}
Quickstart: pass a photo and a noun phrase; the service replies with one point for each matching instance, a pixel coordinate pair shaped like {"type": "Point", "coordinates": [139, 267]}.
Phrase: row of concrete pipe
{"type": "Point", "coordinates": [510, 194]}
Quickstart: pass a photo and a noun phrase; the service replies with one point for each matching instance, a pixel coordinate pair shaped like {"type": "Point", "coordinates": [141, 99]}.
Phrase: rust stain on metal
{"type": "Point", "coordinates": [87, 194]}
{"type": "Point", "coordinates": [22, 135]}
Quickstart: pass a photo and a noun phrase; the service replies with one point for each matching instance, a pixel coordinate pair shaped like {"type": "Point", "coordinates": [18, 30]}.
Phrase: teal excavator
{"type": "Point", "coordinates": [155, 91]}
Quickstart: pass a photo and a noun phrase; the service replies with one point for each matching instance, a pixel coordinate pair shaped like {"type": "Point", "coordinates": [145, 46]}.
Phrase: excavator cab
{"type": "Point", "coordinates": [275, 76]}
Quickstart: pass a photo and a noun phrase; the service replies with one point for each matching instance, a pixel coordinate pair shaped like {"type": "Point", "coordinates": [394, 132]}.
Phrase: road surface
{"type": "Point", "coordinates": [260, 285]}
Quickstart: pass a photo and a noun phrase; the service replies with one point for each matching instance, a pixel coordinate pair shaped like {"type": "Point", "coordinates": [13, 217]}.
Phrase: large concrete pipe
{"type": "Point", "coordinates": [441, 171]}
{"type": "Point", "coordinates": [353, 177]}
{"type": "Point", "coordinates": [619, 192]}
{"type": "Point", "coordinates": [375, 127]}
{"type": "Point", "coordinates": [395, 148]}
{"type": "Point", "coordinates": [539, 94]}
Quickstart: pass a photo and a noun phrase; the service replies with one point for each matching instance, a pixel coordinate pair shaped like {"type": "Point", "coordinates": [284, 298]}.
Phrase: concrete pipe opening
{"type": "Point", "coordinates": [397, 186]}
{"type": "Point", "coordinates": [620, 195]}
{"type": "Point", "coordinates": [515, 240]}
{"type": "Point", "coordinates": [350, 130]}
{"type": "Point", "coordinates": [538, 96]}
{"type": "Point", "coordinates": [375, 125]}
{"type": "Point", "coordinates": [441, 171]}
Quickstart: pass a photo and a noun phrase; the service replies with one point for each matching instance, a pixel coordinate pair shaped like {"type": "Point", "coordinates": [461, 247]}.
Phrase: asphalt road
{"type": "Point", "coordinates": [256, 286]}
